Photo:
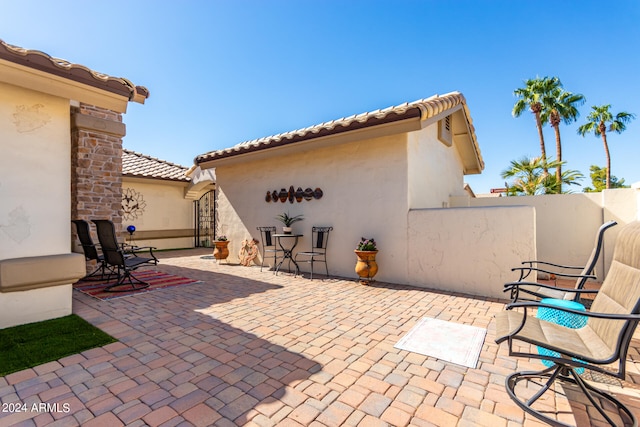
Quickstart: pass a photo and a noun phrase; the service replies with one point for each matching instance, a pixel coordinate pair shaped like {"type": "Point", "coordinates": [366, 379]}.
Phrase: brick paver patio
{"type": "Point", "coordinates": [246, 347]}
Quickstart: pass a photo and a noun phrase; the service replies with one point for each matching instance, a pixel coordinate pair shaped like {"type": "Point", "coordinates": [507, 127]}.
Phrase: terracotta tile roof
{"type": "Point", "coordinates": [422, 108]}
{"type": "Point", "coordinates": [79, 73]}
{"type": "Point", "coordinates": [143, 166]}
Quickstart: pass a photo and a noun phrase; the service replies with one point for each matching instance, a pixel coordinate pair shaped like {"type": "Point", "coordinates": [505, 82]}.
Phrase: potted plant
{"type": "Point", "coordinates": [221, 250]}
{"type": "Point", "coordinates": [366, 266]}
{"type": "Point", "coordinates": [287, 220]}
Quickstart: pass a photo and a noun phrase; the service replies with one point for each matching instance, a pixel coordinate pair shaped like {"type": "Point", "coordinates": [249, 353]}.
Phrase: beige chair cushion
{"type": "Point", "coordinates": [583, 343]}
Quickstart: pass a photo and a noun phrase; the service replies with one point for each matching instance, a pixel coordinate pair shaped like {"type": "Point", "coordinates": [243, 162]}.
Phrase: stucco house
{"type": "Point", "coordinates": [61, 135]}
{"type": "Point", "coordinates": [376, 172]}
{"type": "Point", "coordinates": [170, 205]}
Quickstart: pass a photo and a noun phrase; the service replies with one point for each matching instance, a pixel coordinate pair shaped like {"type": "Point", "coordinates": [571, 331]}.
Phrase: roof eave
{"type": "Point", "coordinates": [56, 70]}
{"type": "Point", "coordinates": [388, 125]}
{"type": "Point", "coordinates": [242, 154]}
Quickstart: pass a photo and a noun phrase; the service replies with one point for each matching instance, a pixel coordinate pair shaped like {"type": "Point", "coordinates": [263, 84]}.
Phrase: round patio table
{"type": "Point", "coordinates": [288, 252]}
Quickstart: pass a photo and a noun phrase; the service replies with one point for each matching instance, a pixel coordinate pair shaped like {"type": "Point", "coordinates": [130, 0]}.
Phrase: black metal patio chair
{"type": "Point", "coordinates": [123, 262]}
{"type": "Point", "coordinates": [318, 252]}
{"type": "Point", "coordinates": [268, 245]}
{"type": "Point", "coordinates": [90, 250]}
{"type": "Point", "coordinates": [532, 291]}
{"type": "Point", "coordinates": [600, 346]}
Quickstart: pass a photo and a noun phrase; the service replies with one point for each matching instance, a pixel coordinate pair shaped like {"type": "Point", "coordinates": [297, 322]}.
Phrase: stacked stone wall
{"type": "Point", "coordinates": [96, 164]}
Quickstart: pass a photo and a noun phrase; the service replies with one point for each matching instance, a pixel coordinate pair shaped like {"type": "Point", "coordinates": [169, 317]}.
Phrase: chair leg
{"type": "Point", "coordinates": [562, 373]}
{"type": "Point", "coordinates": [139, 284]}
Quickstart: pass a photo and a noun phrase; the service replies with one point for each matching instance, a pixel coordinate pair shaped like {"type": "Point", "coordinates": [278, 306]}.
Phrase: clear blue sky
{"type": "Point", "coordinates": [223, 72]}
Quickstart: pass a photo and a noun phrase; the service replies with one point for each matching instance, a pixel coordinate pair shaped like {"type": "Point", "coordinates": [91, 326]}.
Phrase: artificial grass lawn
{"type": "Point", "coordinates": [26, 346]}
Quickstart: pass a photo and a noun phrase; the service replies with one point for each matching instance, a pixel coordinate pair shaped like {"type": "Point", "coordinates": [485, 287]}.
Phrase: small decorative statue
{"type": "Point", "coordinates": [248, 252]}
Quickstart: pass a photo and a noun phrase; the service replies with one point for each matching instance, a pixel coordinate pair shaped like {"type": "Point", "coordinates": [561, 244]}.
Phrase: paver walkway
{"type": "Point", "coordinates": [246, 347]}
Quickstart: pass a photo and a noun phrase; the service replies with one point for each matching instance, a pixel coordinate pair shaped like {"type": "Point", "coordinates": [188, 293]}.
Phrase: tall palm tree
{"type": "Point", "coordinates": [560, 106]}
{"type": "Point", "coordinates": [600, 121]}
{"type": "Point", "coordinates": [532, 96]}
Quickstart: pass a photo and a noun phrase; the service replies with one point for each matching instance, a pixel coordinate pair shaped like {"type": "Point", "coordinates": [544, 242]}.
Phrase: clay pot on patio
{"type": "Point", "coordinates": [221, 250]}
{"type": "Point", "coordinates": [366, 267]}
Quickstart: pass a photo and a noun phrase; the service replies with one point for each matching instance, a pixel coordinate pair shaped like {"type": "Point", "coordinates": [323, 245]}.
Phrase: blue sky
{"type": "Point", "coordinates": [223, 72]}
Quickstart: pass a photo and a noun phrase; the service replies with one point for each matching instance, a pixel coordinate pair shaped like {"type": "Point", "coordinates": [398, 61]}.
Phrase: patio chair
{"type": "Point", "coordinates": [90, 250]}
{"type": "Point", "coordinates": [533, 291]}
{"type": "Point", "coordinates": [123, 263]}
{"type": "Point", "coordinates": [318, 252]}
{"type": "Point", "coordinates": [268, 245]}
{"type": "Point", "coordinates": [600, 346]}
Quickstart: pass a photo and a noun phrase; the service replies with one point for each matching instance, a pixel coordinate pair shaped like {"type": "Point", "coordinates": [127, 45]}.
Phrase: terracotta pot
{"type": "Point", "coordinates": [366, 267]}
{"type": "Point", "coordinates": [221, 250]}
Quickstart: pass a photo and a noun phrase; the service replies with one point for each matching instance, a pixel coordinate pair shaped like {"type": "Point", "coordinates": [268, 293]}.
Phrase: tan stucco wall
{"type": "Point", "coordinates": [35, 169]}
{"type": "Point", "coordinates": [368, 185]}
{"type": "Point", "coordinates": [434, 170]}
{"type": "Point", "coordinates": [35, 305]}
{"type": "Point", "coordinates": [364, 185]}
{"type": "Point", "coordinates": [469, 250]}
{"type": "Point", "coordinates": [165, 209]}
{"type": "Point", "coordinates": [34, 173]}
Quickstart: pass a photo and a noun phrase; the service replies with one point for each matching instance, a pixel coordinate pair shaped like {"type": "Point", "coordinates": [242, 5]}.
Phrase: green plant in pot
{"type": "Point", "coordinates": [287, 220]}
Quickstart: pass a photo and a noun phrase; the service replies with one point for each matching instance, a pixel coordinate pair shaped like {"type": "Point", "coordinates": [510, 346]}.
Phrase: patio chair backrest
{"type": "Point", "coordinates": [320, 238]}
{"type": "Point", "coordinates": [620, 293]}
{"type": "Point", "coordinates": [595, 254]}
{"type": "Point", "coordinates": [266, 236]}
{"type": "Point", "coordinates": [84, 235]}
{"type": "Point", "coordinates": [109, 242]}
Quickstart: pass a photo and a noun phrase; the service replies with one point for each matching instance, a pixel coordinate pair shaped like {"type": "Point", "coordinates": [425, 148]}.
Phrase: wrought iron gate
{"type": "Point", "coordinates": [205, 212]}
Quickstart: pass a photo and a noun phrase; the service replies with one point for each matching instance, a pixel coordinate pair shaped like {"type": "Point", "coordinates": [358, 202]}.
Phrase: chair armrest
{"type": "Point", "coordinates": [551, 264]}
{"type": "Point", "coordinates": [137, 249]}
{"type": "Point", "coordinates": [530, 269]}
{"type": "Point", "coordinates": [511, 285]}
{"type": "Point", "coordinates": [535, 304]}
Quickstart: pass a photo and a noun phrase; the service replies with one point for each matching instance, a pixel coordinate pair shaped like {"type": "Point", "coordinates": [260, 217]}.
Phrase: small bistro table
{"type": "Point", "coordinates": [287, 252]}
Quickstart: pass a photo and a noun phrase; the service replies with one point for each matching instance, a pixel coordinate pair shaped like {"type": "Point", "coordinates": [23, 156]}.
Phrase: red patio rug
{"type": "Point", "coordinates": [155, 279]}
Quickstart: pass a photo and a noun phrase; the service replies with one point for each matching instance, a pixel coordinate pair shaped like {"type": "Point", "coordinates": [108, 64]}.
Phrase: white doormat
{"type": "Point", "coordinates": [448, 341]}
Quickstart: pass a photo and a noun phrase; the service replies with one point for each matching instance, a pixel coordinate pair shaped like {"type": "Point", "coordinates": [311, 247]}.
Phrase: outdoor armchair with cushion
{"type": "Point", "coordinates": [600, 346]}
{"type": "Point", "coordinates": [123, 262]}
{"type": "Point", "coordinates": [531, 291]}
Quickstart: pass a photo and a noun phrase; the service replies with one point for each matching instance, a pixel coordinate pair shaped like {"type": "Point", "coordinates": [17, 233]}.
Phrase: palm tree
{"type": "Point", "coordinates": [530, 178]}
{"type": "Point", "coordinates": [599, 180]}
{"type": "Point", "coordinates": [560, 106]}
{"type": "Point", "coordinates": [532, 96]}
{"type": "Point", "coordinates": [600, 121]}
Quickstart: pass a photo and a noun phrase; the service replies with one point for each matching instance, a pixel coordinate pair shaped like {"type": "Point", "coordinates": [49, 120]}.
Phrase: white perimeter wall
{"type": "Point", "coordinates": [469, 250]}
{"type": "Point", "coordinates": [566, 224]}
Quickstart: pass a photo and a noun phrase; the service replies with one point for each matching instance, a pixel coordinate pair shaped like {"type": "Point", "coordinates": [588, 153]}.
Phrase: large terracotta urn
{"type": "Point", "coordinates": [221, 249]}
{"type": "Point", "coordinates": [366, 267]}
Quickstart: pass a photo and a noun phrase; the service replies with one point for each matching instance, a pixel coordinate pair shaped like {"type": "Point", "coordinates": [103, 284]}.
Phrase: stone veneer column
{"type": "Point", "coordinates": [96, 164]}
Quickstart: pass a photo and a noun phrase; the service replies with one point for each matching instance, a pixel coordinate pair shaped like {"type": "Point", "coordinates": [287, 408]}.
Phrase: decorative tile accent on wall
{"type": "Point", "coordinates": [297, 195]}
